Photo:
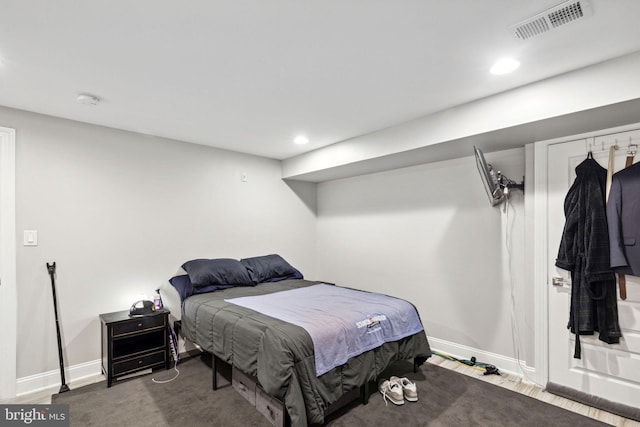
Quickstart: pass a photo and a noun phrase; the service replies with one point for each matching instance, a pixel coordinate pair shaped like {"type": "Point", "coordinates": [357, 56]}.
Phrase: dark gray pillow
{"type": "Point", "coordinates": [185, 288]}
{"type": "Point", "coordinates": [220, 271]}
{"type": "Point", "coordinates": [270, 268]}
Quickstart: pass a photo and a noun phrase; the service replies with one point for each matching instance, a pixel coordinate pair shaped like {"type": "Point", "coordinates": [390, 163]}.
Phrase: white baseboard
{"type": "Point", "coordinates": [82, 371]}
{"type": "Point", "coordinates": [503, 363]}
{"type": "Point", "coordinates": [51, 379]}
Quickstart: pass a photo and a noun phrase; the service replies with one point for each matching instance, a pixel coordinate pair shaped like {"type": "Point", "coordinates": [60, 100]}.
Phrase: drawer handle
{"type": "Point", "coordinates": [139, 362]}
{"type": "Point", "coordinates": [139, 325]}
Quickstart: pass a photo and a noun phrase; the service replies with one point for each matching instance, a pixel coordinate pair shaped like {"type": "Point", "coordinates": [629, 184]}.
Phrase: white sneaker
{"type": "Point", "coordinates": [408, 388]}
{"type": "Point", "coordinates": [391, 390]}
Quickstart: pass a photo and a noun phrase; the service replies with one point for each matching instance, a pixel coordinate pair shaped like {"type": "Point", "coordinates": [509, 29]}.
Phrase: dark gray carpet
{"type": "Point", "coordinates": [446, 398]}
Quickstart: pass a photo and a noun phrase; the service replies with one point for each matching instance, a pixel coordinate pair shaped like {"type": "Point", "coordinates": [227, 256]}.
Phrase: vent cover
{"type": "Point", "coordinates": [557, 16]}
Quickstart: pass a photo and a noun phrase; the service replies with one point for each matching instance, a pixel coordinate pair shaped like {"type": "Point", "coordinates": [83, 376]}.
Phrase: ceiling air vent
{"type": "Point", "coordinates": [557, 16]}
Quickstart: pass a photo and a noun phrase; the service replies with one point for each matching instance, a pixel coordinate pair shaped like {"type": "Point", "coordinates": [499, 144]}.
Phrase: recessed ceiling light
{"type": "Point", "coordinates": [86, 99]}
{"type": "Point", "coordinates": [504, 66]}
{"type": "Point", "coordinates": [301, 140]}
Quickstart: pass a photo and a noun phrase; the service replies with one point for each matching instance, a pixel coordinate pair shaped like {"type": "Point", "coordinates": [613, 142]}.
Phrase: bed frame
{"type": "Point", "coordinates": [363, 393]}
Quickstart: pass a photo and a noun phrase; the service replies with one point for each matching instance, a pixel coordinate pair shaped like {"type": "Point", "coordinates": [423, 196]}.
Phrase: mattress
{"type": "Point", "coordinates": [281, 355]}
{"type": "Point", "coordinates": [171, 300]}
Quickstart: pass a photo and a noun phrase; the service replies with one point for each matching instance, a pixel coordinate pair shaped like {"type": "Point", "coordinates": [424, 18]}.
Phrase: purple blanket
{"type": "Point", "coordinates": [342, 322]}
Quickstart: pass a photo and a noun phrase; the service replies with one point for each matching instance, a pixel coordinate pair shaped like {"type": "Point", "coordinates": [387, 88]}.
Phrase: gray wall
{"type": "Point", "coordinates": [428, 234]}
{"type": "Point", "coordinates": [119, 212]}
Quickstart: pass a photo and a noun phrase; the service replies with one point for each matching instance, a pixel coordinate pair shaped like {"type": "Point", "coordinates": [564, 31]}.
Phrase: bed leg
{"type": "Point", "coordinates": [177, 327]}
{"type": "Point", "coordinates": [364, 392]}
{"type": "Point", "coordinates": [214, 371]}
{"type": "Point", "coordinates": [415, 365]}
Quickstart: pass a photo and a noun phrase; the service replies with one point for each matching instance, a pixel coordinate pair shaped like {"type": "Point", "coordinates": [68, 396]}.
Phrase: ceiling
{"type": "Point", "coordinates": [250, 75]}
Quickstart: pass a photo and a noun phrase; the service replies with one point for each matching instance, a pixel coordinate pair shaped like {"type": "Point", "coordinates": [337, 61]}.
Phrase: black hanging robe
{"type": "Point", "coordinates": [584, 251]}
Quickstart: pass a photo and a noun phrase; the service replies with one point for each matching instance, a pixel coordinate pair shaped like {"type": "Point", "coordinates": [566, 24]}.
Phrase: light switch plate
{"type": "Point", "coordinates": [30, 237]}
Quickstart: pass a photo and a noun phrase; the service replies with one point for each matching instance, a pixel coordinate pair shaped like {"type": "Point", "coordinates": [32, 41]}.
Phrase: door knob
{"type": "Point", "coordinates": [559, 281]}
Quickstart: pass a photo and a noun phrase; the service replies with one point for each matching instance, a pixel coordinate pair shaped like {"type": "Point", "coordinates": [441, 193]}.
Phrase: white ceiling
{"type": "Point", "coordinates": [249, 75]}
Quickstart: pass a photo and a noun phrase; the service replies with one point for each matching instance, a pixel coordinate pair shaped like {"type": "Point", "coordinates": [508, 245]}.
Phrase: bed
{"type": "Point", "coordinates": [279, 354]}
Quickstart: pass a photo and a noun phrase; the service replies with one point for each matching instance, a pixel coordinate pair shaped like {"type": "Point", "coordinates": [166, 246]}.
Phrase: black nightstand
{"type": "Point", "coordinates": [132, 344]}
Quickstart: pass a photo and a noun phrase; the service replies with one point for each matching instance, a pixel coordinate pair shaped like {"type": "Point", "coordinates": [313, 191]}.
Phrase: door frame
{"type": "Point", "coordinates": [8, 294]}
{"type": "Point", "coordinates": [541, 273]}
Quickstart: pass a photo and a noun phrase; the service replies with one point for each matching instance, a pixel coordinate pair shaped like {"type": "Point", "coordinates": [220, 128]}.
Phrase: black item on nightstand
{"type": "Point", "coordinates": [132, 344]}
{"type": "Point", "coordinates": [142, 308]}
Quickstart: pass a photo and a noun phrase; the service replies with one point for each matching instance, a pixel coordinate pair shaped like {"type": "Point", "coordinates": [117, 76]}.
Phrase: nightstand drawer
{"type": "Point", "coordinates": [137, 324]}
{"type": "Point", "coordinates": [138, 363]}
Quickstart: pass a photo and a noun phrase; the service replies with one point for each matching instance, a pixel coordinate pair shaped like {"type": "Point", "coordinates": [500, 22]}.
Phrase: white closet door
{"type": "Point", "coordinates": [608, 371]}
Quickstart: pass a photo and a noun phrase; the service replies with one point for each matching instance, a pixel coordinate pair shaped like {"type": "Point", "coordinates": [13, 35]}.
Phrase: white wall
{"type": "Point", "coordinates": [428, 234]}
{"type": "Point", "coordinates": [119, 212]}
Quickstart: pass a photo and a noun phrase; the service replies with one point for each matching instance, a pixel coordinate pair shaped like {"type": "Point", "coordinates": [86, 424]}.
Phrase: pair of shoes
{"type": "Point", "coordinates": [391, 390]}
{"type": "Point", "coordinates": [409, 389]}
{"type": "Point", "coordinates": [397, 389]}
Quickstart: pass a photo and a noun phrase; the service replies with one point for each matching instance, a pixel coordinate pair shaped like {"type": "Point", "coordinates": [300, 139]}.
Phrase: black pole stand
{"type": "Point", "coordinates": [52, 271]}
